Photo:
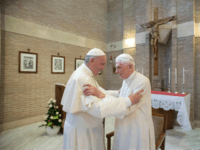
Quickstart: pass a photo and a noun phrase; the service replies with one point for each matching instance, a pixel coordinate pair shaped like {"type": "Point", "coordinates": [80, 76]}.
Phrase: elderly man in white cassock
{"type": "Point", "coordinates": [134, 130]}
{"type": "Point", "coordinates": [83, 125]}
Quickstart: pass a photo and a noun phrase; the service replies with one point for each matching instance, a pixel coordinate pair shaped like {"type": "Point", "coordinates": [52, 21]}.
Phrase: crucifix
{"type": "Point", "coordinates": [154, 32]}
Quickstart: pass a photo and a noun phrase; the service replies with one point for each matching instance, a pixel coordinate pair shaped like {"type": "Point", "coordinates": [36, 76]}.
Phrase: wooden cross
{"type": "Point", "coordinates": [154, 25]}
{"type": "Point", "coordinates": [156, 43]}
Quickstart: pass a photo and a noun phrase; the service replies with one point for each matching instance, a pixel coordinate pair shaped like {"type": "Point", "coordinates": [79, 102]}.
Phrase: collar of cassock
{"type": "Point", "coordinates": [130, 78]}
{"type": "Point", "coordinates": [89, 72]}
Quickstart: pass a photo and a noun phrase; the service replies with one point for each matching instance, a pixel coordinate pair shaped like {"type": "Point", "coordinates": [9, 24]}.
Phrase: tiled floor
{"type": "Point", "coordinates": [31, 137]}
{"type": "Point", "coordinates": [178, 139]}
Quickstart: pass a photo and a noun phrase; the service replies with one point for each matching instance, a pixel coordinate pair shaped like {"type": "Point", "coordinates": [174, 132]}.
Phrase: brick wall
{"type": "Point", "coordinates": [142, 58]}
{"type": "Point", "coordinates": [197, 86]}
{"type": "Point", "coordinates": [186, 60]}
{"type": "Point", "coordinates": [174, 58]}
{"type": "Point", "coordinates": [114, 34]}
{"type": "Point", "coordinates": [26, 95]}
{"type": "Point", "coordinates": [115, 21]}
{"type": "Point", "coordinates": [186, 51]}
{"type": "Point", "coordinates": [197, 11]}
{"type": "Point", "coordinates": [166, 50]}
{"type": "Point", "coordinates": [76, 17]}
{"type": "Point", "coordinates": [166, 62]}
{"type": "Point", "coordinates": [197, 65]}
{"type": "Point", "coordinates": [167, 5]}
{"type": "Point", "coordinates": [129, 24]}
{"type": "Point", "coordinates": [185, 11]}
{"type": "Point", "coordinates": [129, 19]}
{"type": "Point", "coordinates": [1, 71]}
{"type": "Point", "coordinates": [141, 14]}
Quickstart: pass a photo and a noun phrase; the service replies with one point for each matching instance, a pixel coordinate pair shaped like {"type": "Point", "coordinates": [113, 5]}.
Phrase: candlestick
{"type": "Point", "coordinates": [169, 75]}
{"type": "Point", "coordinates": [183, 77]}
{"type": "Point", "coordinates": [175, 76]}
{"type": "Point", "coordinates": [176, 89]}
{"type": "Point", "coordinates": [183, 89]}
{"type": "Point", "coordinates": [176, 82]}
{"type": "Point", "coordinates": [169, 88]}
{"type": "Point", "coordinates": [169, 83]}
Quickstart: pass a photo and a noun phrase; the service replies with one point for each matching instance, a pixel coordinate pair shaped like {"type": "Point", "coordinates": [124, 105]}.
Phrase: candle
{"type": "Point", "coordinates": [142, 70]}
{"type": "Point", "coordinates": [183, 77]}
{"type": "Point", "coordinates": [169, 75]}
{"type": "Point", "coordinates": [175, 76]}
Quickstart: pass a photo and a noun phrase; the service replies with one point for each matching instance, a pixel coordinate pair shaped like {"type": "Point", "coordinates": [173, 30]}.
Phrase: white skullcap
{"type": "Point", "coordinates": [96, 52]}
{"type": "Point", "coordinates": [125, 57]}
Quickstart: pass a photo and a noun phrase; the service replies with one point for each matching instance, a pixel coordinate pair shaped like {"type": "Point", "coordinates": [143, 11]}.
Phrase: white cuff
{"type": "Point", "coordinates": [128, 102]}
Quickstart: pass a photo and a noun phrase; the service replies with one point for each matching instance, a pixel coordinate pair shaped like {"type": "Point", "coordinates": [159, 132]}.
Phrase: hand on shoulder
{"type": "Point", "coordinates": [136, 97]}
{"type": "Point", "coordinates": [91, 90]}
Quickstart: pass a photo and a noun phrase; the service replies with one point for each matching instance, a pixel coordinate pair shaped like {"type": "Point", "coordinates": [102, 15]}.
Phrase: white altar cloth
{"type": "Point", "coordinates": [177, 102]}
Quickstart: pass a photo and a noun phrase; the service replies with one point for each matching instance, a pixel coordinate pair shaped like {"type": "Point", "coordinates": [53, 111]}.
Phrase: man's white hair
{"type": "Point", "coordinates": [125, 59]}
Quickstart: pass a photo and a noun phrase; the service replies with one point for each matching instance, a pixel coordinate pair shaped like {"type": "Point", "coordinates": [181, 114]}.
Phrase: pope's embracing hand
{"type": "Point", "coordinates": [91, 90]}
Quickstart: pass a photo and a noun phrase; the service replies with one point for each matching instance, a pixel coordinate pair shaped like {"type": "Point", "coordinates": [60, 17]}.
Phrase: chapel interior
{"type": "Point", "coordinates": [70, 28]}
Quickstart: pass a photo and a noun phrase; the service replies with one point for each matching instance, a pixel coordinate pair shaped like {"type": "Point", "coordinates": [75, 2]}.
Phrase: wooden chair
{"type": "Point", "coordinates": [159, 121]}
{"type": "Point", "coordinates": [59, 90]}
{"type": "Point", "coordinates": [160, 125]}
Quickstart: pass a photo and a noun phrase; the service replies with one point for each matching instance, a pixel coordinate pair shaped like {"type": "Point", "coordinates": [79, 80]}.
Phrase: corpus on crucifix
{"type": "Point", "coordinates": [154, 32]}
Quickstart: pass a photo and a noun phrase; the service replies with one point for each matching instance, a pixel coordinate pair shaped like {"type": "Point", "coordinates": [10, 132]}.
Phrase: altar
{"type": "Point", "coordinates": [170, 102]}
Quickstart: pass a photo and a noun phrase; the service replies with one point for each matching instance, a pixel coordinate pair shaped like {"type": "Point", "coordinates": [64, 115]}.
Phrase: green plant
{"type": "Point", "coordinates": [53, 116]}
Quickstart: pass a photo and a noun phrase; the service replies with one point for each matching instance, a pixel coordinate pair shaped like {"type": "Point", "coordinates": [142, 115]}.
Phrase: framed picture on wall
{"type": "Point", "coordinates": [57, 64]}
{"type": "Point", "coordinates": [78, 62]}
{"type": "Point", "coordinates": [28, 62]}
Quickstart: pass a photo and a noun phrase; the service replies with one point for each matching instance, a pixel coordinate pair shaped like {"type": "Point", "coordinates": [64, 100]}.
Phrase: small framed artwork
{"type": "Point", "coordinates": [57, 64]}
{"type": "Point", "coordinates": [78, 62]}
{"type": "Point", "coordinates": [28, 62]}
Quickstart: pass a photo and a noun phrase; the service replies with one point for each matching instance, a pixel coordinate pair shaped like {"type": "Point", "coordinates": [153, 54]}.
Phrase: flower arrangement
{"type": "Point", "coordinates": [53, 116]}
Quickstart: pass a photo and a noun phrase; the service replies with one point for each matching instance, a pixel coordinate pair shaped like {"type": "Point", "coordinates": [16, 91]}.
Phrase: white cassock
{"type": "Point", "coordinates": [135, 130]}
{"type": "Point", "coordinates": [83, 125]}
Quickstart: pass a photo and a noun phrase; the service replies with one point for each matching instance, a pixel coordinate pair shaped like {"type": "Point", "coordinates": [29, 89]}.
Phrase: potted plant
{"type": "Point", "coordinates": [53, 120]}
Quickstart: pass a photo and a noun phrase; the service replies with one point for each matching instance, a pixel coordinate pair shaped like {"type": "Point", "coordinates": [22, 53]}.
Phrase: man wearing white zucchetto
{"type": "Point", "coordinates": [83, 125]}
{"type": "Point", "coordinates": [134, 130]}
